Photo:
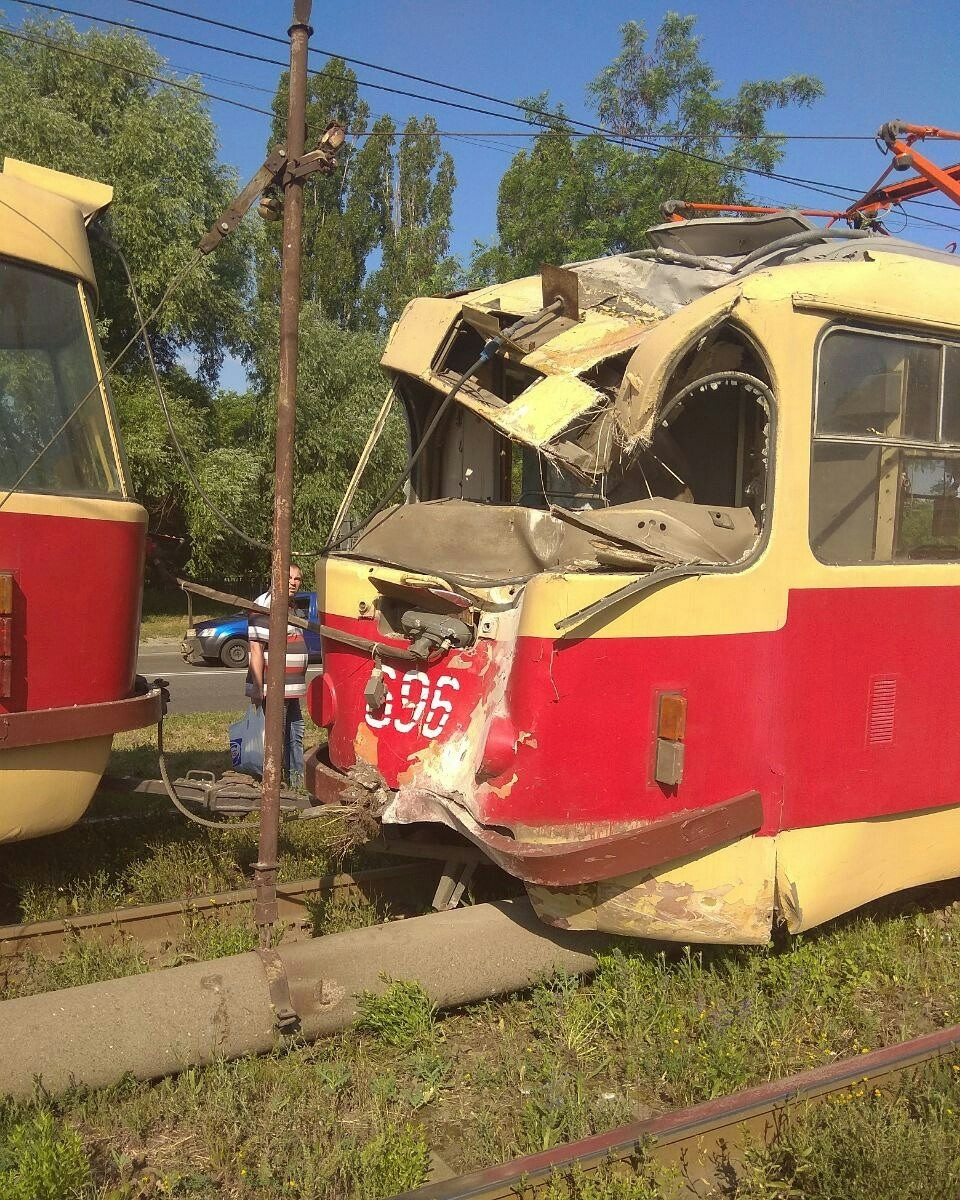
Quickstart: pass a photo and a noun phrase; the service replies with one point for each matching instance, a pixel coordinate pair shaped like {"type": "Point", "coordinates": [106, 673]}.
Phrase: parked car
{"type": "Point", "coordinates": [223, 640]}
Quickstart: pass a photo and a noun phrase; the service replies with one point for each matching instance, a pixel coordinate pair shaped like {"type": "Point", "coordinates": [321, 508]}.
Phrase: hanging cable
{"type": "Point", "coordinates": [570, 125]}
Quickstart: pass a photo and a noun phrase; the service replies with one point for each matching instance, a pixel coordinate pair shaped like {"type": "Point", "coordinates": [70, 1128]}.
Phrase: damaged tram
{"type": "Point", "coordinates": [666, 623]}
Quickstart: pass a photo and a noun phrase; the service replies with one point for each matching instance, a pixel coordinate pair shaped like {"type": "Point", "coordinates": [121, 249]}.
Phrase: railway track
{"type": "Point", "coordinates": [154, 926]}
{"type": "Point", "coordinates": [698, 1138]}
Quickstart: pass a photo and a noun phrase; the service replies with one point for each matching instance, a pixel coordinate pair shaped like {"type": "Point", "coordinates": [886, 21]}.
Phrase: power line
{"type": "Point", "coordinates": [104, 62]}
{"type": "Point", "coordinates": [819, 186]}
{"type": "Point", "coordinates": [458, 88]}
{"type": "Point", "coordinates": [203, 94]}
{"type": "Point", "coordinates": [544, 119]}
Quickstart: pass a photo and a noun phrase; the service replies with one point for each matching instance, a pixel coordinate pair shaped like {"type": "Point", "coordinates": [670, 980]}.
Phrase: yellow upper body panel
{"type": "Point", "coordinates": [44, 217]}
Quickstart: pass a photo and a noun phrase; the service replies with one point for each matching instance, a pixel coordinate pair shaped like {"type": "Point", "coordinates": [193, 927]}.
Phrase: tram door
{"type": "Point", "coordinates": [874, 642]}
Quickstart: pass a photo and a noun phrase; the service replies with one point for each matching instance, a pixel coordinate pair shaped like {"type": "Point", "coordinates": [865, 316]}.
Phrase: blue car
{"type": "Point", "coordinates": [223, 640]}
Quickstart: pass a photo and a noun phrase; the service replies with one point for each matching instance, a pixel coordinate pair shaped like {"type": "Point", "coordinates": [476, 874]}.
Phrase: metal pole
{"type": "Point", "coordinates": [265, 869]}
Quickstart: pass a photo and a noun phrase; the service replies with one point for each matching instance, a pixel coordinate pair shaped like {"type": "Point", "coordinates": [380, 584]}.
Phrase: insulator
{"type": "Point", "coordinates": [270, 206]}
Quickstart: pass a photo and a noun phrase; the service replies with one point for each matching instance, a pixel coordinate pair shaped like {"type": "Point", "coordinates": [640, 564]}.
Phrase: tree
{"type": "Point", "coordinates": [386, 197]}
{"type": "Point", "coordinates": [569, 198]}
{"type": "Point", "coordinates": [96, 113]}
{"type": "Point", "coordinates": [345, 213]}
{"type": "Point", "coordinates": [340, 390]}
{"type": "Point", "coordinates": [415, 259]}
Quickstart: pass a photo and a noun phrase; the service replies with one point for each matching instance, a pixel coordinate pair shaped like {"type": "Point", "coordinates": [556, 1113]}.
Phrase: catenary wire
{"type": "Point", "coordinates": [546, 119]}
{"type": "Point", "coordinates": [636, 142]}
{"type": "Point", "coordinates": [809, 185]}
{"type": "Point", "coordinates": [269, 37]}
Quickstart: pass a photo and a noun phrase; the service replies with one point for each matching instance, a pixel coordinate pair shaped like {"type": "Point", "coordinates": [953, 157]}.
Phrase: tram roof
{"type": "Point", "coordinates": [692, 259]}
{"type": "Point", "coordinates": [45, 215]}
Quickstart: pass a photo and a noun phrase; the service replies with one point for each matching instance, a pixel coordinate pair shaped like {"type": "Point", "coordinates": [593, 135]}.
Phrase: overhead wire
{"type": "Point", "coordinates": [105, 62]}
{"type": "Point", "coordinates": [547, 119]}
{"type": "Point", "coordinates": [833, 190]}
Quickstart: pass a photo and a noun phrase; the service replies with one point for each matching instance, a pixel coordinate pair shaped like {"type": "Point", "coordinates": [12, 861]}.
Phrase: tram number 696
{"type": "Point", "coordinates": [419, 701]}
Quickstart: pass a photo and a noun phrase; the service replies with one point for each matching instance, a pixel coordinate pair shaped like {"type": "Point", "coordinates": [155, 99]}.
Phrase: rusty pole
{"type": "Point", "coordinates": [265, 869]}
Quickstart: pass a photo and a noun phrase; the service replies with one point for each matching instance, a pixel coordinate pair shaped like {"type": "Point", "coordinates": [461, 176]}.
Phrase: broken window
{"type": "Point", "coordinates": [885, 474]}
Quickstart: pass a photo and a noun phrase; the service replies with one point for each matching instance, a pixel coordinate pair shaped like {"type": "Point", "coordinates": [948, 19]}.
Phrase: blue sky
{"type": "Point", "coordinates": [878, 61]}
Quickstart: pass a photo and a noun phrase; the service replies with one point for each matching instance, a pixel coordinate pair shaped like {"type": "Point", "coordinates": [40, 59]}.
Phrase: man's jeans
{"type": "Point", "coordinates": [293, 743]}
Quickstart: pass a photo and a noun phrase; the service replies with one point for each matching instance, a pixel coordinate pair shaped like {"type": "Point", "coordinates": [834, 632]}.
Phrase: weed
{"type": "Point", "coordinates": [213, 937]}
{"type": "Point", "coordinates": [862, 1145]}
{"type": "Point", "coordinates": [616, 1181]}
{"type": "Point", "coordinates": [41, 1159]}
{"type": "Point", "coordinates": [83, 960]}
{"type": "Point", "coordinates": [402, 1016]}
{"type": "Point", "coordinates": [340, 912]}
{"type": "Point", "coordinates": [396, 1160]}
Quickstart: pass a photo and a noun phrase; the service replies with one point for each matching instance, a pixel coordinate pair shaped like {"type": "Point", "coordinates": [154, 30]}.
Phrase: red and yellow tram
{"type": "Point", "coordinates": [71, 536]}
{"type": "Point", "coordinates": [676, 584]}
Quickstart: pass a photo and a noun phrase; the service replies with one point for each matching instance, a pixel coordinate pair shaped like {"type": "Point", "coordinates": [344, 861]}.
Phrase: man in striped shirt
{"type": "Point", "coordinates": [295, 677]}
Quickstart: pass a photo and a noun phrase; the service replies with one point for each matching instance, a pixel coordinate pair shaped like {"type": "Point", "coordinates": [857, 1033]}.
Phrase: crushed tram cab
{"type": "Point", "coordinates": [675, 586]}
{"type": "Point", "coordinates": [71, 536]}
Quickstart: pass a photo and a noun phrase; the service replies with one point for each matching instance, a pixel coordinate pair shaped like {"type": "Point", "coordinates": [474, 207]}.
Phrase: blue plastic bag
{"type": "Point", "coordinates": [246, 741]}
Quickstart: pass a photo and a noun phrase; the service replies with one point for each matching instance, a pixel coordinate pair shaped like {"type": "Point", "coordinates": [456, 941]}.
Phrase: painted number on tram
{"type": "Point", "coordinates": [413, 701]}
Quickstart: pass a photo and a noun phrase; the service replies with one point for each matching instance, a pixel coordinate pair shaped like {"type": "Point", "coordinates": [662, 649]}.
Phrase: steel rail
{"type": "Point", "coordinates": [700, 1137]}
{"type": "Point", "coordinates": [153, 925]}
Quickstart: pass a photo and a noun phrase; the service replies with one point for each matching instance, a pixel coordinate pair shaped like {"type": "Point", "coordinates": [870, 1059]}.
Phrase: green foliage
{"type": "Point", "coordinates": [415, 243]}
{"type": "Point", "coordinates": [340, 391]}
{"type": "Point", "coordinates": [156, 146]}
{"type": "Point", "coordinates": [387, 196]}
{"type": "Point", "coordinates": [392, 1162]}
{"type": "Point", "coordinates": [41, 1159]}
{"type": "Point", "coordinates": [570, 198]}
{"type": "Point", "coordinates": [863, 1144]}
{"type": "Point", "coordinates": [82, 960]}
{"type": "Point", "coordinates": [403, 1016]}
{"type": "Point", "coordinates": [345, 212]}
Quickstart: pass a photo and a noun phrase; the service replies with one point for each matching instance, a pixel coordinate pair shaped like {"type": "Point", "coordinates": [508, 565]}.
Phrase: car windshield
{"type": "Point", "coordinates": [53, 412]}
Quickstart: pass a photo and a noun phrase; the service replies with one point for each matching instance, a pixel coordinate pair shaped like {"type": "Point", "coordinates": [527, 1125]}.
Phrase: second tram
{"type": "Point", "coordinates": [71, 535]}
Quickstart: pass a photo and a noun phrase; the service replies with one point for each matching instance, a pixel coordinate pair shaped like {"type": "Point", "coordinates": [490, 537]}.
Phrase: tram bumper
{"type": "Point", "coordinates": [51, 760]}
{"type": "Point", "coordinates": [587, 854]}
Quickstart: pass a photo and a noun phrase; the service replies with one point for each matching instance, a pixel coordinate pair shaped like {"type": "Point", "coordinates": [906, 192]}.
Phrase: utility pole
{"type": "Point", "coordinates": [265, 869]}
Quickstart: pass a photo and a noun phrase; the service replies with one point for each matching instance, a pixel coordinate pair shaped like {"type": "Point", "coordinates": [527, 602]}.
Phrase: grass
{"type": "Point", "coordinates": [164, 613]}
{"type": "Point", "coordinates": [357, 1114]}
{"type": "Point", "coordinates": [155, 855]}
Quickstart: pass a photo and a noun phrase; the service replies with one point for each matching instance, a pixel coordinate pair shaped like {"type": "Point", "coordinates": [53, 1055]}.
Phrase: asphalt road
{"type": "Point", "coordinates": [195, 689]}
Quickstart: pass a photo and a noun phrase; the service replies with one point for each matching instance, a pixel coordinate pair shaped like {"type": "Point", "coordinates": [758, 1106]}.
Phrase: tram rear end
{"type": "Point", "coordinates": [71, 536]}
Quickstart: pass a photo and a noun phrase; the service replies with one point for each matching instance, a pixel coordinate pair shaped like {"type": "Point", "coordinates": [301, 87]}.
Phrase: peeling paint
{"type": "Point", "coordinates": [723, 897]}
{"type": "Point", "coordinates": [365, 744]}
{"type": "Point", "coordinates": [504, 790]}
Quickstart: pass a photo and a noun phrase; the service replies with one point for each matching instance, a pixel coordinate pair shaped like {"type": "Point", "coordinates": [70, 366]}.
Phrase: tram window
{"type": "Point", "coordinates": [950, 429]}
{"type": "Point", "coordinates": [878, 386]}
{"type": "Point", "coordinates": [51, 407]}
{"type": "Point", "coordinates": [885, 476]}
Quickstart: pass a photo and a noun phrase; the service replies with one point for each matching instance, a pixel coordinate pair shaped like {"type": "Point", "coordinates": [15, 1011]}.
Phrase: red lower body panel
{"type": "Point", "coordinates": [847, 712]}
{"type": "Point", "coordinates": [76, 608]}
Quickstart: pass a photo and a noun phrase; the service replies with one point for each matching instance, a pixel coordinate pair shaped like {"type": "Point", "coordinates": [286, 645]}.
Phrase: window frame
{"type": "Point", "coordinates": [100, 388]}
{"type": "Point", "coordinates": [944, 449]}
